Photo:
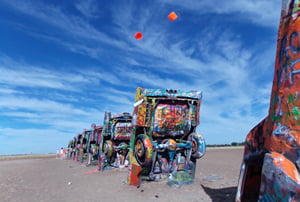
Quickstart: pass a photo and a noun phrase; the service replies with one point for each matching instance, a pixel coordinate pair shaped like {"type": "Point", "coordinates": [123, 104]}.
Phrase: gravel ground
{"type": "Point", "coordinates": [44, 178]}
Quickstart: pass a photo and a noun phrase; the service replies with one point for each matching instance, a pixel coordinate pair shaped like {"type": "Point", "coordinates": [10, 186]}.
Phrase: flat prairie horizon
{"type": "Point", "coordinates": [49, 155]}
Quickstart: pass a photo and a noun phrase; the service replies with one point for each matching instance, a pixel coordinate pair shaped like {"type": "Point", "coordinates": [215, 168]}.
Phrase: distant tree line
{"type": "Point", "coordinates": [233, 144]}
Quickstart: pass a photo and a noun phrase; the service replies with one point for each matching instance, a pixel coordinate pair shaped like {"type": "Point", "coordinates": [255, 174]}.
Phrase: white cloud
{"type": "Point", "coordinates": [117, 99]}
{"type": "Point", "coordinates": [15, 73]}
{"type": "Point", "coordinates": [101, 74]}
{"type": "Point", "coordinates": [215, 61]}
{"type": "Point", "coordinates": [19, 114]}
{"type": "Point", "coordinates": [88, 8]}
{"type": "Point", "coordinates": [74, 26]}
{"type": "Point", "coordinates": [9, 91]}
{"type": "Point", "coordinates": [121, 92]}
{"type": "Point", "coordinates": [32, 79]}
{"type": "Point", "coordinates": [146, 78]}
{"type": "Point", "coordinates": [38, 105]}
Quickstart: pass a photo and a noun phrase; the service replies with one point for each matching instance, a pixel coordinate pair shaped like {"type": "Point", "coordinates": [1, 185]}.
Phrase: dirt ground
{"type": "Point", "coordinates": [49, 179]}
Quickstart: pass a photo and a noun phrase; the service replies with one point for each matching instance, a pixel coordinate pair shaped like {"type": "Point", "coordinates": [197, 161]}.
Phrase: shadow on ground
{"type": "Point", "coordinates": [223, 194]}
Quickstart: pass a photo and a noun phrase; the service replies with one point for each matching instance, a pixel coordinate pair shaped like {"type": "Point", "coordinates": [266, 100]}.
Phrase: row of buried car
{"type": "Point", "coordinates": [163, 138]}
{"type": "Point", "coordinates": [112, 139]}
{"type": "Point", "coordinates": [157, 141]}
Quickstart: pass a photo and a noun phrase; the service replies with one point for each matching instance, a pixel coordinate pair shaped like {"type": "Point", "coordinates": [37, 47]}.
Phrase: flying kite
{"type": "Point", "coordinates": [172, 16]}
{"type": "Point", "coordinates": [138, 35]}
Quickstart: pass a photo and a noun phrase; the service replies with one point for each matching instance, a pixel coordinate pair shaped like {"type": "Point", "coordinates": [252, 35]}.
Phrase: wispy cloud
{"type": "Point", "coordinates": [88, 8]}
{"type": "Point", "coordinates": [146, 78]}
{"type": "Point", "coordinates": [38, 105]}
{"type": "Point", "coordinates": [235, 74]}
{"type": "Point", "coordinates": [101, 74]}
{"type": "Point", "coordinates": [4, 90]}
{"type": "Point", "coordinates": [49, 114]}
{"type": "Point", "coordinates": [74, 26]}
{"type": "Point", "coordinates": [26, 75]}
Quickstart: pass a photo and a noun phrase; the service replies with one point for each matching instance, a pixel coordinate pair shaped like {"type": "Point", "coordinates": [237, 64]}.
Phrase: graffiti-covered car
{"type": "Point", "coordinates": [271, 162]}
{"type": "Point", "coordinates": [164, 140]}
{"type": "Point", "coordinates": [114, 141]}
{"type": "Point", "coordinates": [81, 145]}
{"type": "Point", "coordinates": [71, 149]}
{"type": "Point", "coordinates": [92, 146]}
{"type": "Point", "coordinates": [78, 146]}
{"type": "Point", "coordinates": [84, 144]}
{"type": "Point", "coordinates": [74, 148]}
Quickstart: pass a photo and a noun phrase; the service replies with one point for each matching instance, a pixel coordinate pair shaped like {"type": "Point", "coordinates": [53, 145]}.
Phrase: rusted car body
{"type": "Point", "coordinates": [270, 167]}
{"type": "Point", "coordinates": [164, 140]}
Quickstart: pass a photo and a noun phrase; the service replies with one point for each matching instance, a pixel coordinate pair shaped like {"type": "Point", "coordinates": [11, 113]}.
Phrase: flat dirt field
{"type": "Point", "coordinates": [45, 178]}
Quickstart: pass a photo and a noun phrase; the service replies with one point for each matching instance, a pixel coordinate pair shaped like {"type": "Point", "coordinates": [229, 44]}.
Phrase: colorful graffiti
{"type": "Point", "coordinates": [114, 141]}
{"type": "Point", "coordinates": [171, 120]}
{"type": "Point", "coordinates": [122, 130]}
{"type": "Point", "coordinates": [164, 143]}
{"type": "Point", "coordinates": [270, 168]}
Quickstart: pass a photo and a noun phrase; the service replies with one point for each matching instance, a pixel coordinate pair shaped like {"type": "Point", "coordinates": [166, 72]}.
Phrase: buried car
{"type": "Point", "coordinates": [92, 147]}
{"type": "Point", "coordinates": [271, 163]}
{"type": "Point", "coordinates": [78, 147]}
{"type": "Point", "coordinates": [84, 145]}
{"type": "Point", "coordinates": [164, 140]}
{"type": "Point", "coordinates": [114, 141]}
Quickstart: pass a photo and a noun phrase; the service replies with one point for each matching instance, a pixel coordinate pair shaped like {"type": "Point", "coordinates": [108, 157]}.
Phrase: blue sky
{"type": "Point", "coordinates": [64, 63]}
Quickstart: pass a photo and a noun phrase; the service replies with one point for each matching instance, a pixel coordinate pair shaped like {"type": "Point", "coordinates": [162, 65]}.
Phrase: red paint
{"type": "Point", "coordinates": [92, 171]}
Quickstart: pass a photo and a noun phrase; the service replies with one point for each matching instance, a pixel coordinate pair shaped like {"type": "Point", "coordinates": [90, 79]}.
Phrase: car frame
{"type": "Point", "coordinates": [92, 147]}
{"type": "Point", "coordinates": [114, 141]}
{"type": "Point", "coordinates": [164, 140]}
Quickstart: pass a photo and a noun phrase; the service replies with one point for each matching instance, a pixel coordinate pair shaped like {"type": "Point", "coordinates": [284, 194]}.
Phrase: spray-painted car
{"type": "Point", "coordinates": [271, 163]}
{"type": "Point", "coordinates": [81, 145]}
{"type": "Point", "coordinates": [78, 147]}
{"type": "Point", "coordinates": [83, 154]}
{"type": "Point", "coordinates": [92, 146]}
{"type": "Point", "coordinates": [70, 149]}
{"type": "Point", "coordinates": [114, 141]}
{"type": "Point", "coordinates": [73, 148]}
{"type": "Point", "coordinates": [164, 140]}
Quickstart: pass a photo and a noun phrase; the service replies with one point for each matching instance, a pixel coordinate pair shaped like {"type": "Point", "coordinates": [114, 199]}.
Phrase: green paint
{"type": "Point", "coordinates": [295, 112]}
{"type": "Point", "coordinates": [133, 169]}
{"type": "Point", "coordinates": [291, 98]}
